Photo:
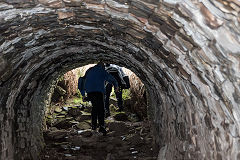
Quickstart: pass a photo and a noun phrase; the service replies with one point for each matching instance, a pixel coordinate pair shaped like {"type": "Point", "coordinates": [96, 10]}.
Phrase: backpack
{"type": "Point", "coordinates": [81, 83]}
{"type": "Point", "coordinates": [126, 80]}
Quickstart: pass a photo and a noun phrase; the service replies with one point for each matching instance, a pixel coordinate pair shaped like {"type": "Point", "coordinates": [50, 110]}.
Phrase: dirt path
{"type": "Point", "coordinates": [71, 138]}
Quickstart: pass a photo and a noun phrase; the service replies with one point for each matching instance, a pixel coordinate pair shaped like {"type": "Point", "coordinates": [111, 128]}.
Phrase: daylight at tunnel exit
{"type": "Point", "coordinates": [119, 80]}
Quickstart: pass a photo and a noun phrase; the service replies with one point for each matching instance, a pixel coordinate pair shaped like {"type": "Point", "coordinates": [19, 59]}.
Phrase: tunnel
{"type": "Point", "coordinates": [187, 54]}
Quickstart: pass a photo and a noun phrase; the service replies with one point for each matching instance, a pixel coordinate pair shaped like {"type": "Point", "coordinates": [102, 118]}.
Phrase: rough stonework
{"type": "Point", "coordinates": [187, 54]}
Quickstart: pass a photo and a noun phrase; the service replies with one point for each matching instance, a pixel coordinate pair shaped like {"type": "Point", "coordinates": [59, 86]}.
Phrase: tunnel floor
{"type": "Point", "coordinates": [68, 136]}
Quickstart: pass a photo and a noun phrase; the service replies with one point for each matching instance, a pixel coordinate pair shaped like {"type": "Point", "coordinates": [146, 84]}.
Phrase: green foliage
{"type": "Point", "coordinates": [125, 94]}
{"type": "Point", "coordinates": [61, 78]}
{"type": "Point", "coordinates": [79, 99]}
{"type": "Point", "coordinates": [113, 95]}
{"type": "Point", "coordinates": [78, 94]}
{"type": "Point", "coordinates": [113, 108]}
{"type": "Point", "coordinates": [76, 100]}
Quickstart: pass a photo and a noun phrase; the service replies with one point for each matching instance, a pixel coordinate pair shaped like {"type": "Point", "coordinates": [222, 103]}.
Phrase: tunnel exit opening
{"type": "Point", "coordinates": [68, 123]}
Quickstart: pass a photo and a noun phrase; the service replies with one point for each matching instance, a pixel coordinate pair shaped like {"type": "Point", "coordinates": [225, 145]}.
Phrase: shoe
{"type": "Point", "coordinates": [94, 128]}
{"type": "Point", "coordinates": [103, 131]}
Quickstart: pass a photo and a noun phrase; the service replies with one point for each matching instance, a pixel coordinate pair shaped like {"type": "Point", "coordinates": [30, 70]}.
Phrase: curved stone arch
{"type": "Point", "coordinates": [200, 69]}
{"type": "Point", "coordinates": [36, 97]}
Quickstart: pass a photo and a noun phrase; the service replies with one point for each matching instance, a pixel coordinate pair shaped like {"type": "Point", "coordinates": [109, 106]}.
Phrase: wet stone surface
{"type": "Point", "coordinates": [124, 140]}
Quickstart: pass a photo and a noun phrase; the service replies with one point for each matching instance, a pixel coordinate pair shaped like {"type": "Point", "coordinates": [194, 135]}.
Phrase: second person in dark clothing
{"type": "Point", "coordinates": [118, 74]}
{"type": "Point", "coordinates": [94, 81]}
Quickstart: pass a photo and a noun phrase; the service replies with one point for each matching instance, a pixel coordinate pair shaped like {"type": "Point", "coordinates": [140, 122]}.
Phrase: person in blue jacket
{"type": "Point", "coordinates": [93, 84]}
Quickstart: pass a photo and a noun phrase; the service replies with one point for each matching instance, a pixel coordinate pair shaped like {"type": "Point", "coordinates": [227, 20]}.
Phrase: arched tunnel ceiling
{"type": "Point", "coordinates": [186, 53]}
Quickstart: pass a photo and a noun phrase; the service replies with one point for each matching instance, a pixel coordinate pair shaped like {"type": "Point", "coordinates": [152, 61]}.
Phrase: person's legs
{"type": "Point", "coordinates": [100, 113]}
{"type": "Point", "coordinates": [107, 96]}
{"type": "Point", "coordinates": [119, 99]}
{"type": "Point", "coordinates": [97, 100]}
{"type": "Point", "coordinates": [93, 99]}
{"type": "Point", "coordinates": [100, 109]}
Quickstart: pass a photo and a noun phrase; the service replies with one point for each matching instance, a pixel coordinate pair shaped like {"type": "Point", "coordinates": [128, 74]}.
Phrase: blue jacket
{"type": "Point", "coordinates": [95, 78]}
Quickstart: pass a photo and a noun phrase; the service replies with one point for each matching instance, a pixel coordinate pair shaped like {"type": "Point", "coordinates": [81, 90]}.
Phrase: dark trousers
{"type": "Point", "coordinates": [118, 96]}
{"type": "Point", "coordinates": [97, 100]}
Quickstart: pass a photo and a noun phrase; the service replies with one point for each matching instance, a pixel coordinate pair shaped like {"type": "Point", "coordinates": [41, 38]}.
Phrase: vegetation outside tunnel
{"type": "Point", "coordinates": [133, 98]}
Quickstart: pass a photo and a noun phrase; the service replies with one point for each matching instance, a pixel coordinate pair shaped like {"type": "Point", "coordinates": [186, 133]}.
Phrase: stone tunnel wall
{"type": "Point", "coordinates": [187, 53]}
